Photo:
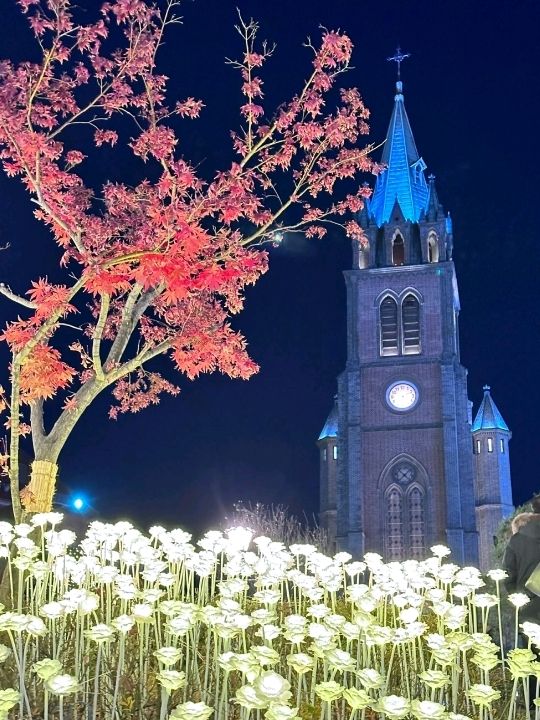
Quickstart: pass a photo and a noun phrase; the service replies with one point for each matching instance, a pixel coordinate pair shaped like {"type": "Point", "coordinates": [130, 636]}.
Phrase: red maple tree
{"type": "Point", "coordinates": [163, 264]}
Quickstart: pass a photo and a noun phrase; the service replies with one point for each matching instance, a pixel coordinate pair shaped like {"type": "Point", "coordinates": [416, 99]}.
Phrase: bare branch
{"type": "Point", "coordinates": [7, 292]}
{"type": "Point", "coordinates": [133, 311]}
{"type": "Point", "coordinates": [145, 355]}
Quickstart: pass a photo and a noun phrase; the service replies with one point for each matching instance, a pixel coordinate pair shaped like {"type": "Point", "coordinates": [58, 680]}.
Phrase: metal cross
{"type": "Point", "coordinates": [398, 58]}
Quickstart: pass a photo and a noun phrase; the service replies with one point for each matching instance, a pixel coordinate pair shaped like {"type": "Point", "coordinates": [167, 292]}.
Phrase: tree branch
{"type": "Point", "coordinates": [142, 357]}
{"type": "Point", "coordinates": [75, 235]}
{"type": "Point", "coordinates": [7, 292]}
{"type": "Point", "coordinates": [134, 308]}
{"type": "Point", "coordinates": [67, 420]}
{"type": "Point", "coordinates": [94, 102]}
{"type": "Point", "coordinates": [36, 423]}
{"type": "Point", "coordinates": [48, 324]}
{"type": "Point", "coordinates": [98, 334]}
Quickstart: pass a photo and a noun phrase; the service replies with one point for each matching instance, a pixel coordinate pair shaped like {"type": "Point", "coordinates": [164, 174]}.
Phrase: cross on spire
{"type": "Point", "coordinates": [398, 58]}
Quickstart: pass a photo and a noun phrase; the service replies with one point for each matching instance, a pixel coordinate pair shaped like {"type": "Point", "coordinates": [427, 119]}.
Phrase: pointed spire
{"type": "Point", "coordinates": [433, 205]}
{"type": "Point", "coordinates": [488, 416]}
{"type": "Point", "coordinates": [364, 215]}
{"type": "Point", "coordinates": [330, 429]}
{"type": "Point", "coordinates": [403, 178]}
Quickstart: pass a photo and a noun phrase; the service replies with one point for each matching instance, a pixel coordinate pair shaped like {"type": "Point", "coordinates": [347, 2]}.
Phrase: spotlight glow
{"type": "Point", "coordinates": [78, 503]}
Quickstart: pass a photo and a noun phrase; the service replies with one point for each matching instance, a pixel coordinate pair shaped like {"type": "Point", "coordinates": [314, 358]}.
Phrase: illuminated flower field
{"type": "Point", "coordinates": [128, 625]}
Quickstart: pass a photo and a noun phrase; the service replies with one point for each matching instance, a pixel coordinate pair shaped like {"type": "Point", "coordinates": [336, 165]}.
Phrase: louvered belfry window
{"type": "Point", "coordinates": [410, 327]}
{"type": "Point", "coordinates": [389, 327]}
{"type": "Point", "coordinates": [399, 326]}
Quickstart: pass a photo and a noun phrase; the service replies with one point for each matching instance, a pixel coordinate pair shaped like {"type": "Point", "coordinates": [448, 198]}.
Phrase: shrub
{"type": "Point", "coordinates": [278, 523]}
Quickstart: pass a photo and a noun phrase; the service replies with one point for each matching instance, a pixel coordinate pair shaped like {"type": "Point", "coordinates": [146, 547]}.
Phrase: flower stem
{"type": "Point", "coordinates": [96, 682]}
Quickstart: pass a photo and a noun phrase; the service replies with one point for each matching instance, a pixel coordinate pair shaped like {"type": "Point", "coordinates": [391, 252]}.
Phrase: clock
{"type": "Point", "coordinates": [402, 396]}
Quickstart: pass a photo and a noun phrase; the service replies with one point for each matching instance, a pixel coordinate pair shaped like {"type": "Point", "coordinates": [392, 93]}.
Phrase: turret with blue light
{"type": "Point", "coordinates": [328, 449]}
{"type": "Point", "coordinates": [491, 447]}
{"type": "Point", "coordinates": [488, 418]}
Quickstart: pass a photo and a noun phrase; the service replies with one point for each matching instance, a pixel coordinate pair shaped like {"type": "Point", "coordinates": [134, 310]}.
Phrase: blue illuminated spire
{"type": "Point", "coordinates": [330, 429]}
{"type": "Point", "coordinates": [488, 416]}
{"type": "Point", "coordinates": [403, 178]}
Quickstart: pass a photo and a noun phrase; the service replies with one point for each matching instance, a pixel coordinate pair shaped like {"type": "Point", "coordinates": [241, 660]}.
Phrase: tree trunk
{"type": "Point", "coordinates": [37, 496]}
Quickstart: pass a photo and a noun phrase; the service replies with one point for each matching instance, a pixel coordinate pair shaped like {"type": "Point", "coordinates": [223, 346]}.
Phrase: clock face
{"type": "Point", "coordinates": [402, 396]}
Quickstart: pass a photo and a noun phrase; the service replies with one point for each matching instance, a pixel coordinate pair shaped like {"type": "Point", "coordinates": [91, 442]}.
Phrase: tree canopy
{"type": "Point", "coordinates": [157, 267]}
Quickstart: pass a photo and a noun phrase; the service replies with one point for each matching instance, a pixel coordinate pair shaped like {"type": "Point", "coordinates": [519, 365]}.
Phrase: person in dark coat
{"type": "Point", "coordinates": [521, 557]}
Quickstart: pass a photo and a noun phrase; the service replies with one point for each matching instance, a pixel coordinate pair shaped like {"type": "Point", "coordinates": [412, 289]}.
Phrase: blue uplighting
{"type": "Point", "coordinates": [78, 504]}
{"type": "Point", "coordinates": [330, 429]}
{"type": "Point", "coordinates": [403, 180]}
{"type": "Point", "coordinates": [488, 416]}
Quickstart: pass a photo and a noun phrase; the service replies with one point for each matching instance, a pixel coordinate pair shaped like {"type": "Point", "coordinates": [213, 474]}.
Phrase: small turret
{"type": "Point", "coordinates": [328, 448]}
{"type": "Point", "coordinates": [449, 236]}
{"type": "Point", "coordinates": [493, 488]}
{"type": "Point", "coordinates": [434, 209]}
{"type": "Point", "coordinates": [363, 216]}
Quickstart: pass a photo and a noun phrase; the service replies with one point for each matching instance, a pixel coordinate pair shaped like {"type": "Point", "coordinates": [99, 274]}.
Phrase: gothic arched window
{"type": "Point", "coordinates": [394, 524]}
{"type": "Point", "coordinates": [410, 325]}
{"type": "Point", "coordinates": [416, 513]}
{"type": "Point", "coordinates": [398, 250]}
{"type": "Point", "coordinates": [433, 249]}
{"type": "Point", "coordinates": [404, 505]}
{"type": "Point", "coordinates": [388, 321]}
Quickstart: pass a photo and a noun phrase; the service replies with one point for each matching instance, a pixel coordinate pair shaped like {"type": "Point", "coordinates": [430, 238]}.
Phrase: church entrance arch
{"type": "Point", "coordinates": [404, 505]}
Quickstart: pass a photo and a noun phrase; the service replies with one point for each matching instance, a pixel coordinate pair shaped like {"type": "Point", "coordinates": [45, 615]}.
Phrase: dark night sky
{"type": "Point", "coordinates": [471, 91]}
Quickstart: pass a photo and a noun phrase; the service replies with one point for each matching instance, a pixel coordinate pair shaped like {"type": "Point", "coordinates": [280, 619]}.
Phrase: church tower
{"type": "Point", "coordinates": [397, 470]}
{"type": "Point", "coordinates": [491, 438]}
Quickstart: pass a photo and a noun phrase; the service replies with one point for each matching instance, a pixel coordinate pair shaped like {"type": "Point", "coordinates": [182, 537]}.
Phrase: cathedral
{"type": "Point", "coordinates": [403, 466]}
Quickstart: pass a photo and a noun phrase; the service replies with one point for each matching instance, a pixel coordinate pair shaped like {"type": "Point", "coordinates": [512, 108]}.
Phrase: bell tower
{"type": "Point", "coordinates": [404, 460]}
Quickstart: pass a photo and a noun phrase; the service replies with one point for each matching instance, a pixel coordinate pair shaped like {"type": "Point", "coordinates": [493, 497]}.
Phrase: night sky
{"type": "Point", "coordinates": [472, 95]}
